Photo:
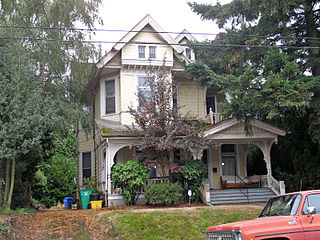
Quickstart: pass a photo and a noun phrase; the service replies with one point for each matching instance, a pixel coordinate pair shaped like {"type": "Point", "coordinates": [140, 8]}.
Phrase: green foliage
{"type": "Point", "coordinates": [4, 229]}
{"type": "Point", "coordinates": [130, 177]}
{"type": "Point", "coordinates": [42, 83]}
{"type": "Point", "coordinates": [191, 177]}
{"type": "Point", "coordinates": [92, 183]}
{"type": "Point", "coordinates": [54, 178]}
{"type": "Point", "coordinates": [266, 62]}
{"type": "Point", "coordinates": [162, 193]}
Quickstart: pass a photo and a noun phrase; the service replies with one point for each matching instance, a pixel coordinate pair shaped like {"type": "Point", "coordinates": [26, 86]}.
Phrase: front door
{"type": "Point", "coordinates": [228, 160]}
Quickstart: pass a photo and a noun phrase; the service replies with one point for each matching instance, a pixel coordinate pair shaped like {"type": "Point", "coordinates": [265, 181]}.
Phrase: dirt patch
{"type": "Point", "coordinates": [72, 224]}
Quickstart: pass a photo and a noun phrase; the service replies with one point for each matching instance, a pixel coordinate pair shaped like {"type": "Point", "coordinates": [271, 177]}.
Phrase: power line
{"type": "Point", "coordinates": [148, 31]}
{"type": "Point", "coordinates": [163, 44]}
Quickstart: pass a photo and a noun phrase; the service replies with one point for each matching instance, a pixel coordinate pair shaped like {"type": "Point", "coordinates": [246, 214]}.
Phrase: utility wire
{"type": "Point", "coordinates": [164, 44]}
{"type": "Point", "coordinates": [148, 31]}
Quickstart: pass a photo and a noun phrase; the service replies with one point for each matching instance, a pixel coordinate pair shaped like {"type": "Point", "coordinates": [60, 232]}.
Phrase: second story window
{"type": "Point", "coordinates": [110, 96]}
{"type": "Point", "coordinates": [152, 52]}
{"type": "Point", "coordinates": [188, 53]}
{"type": "Point", "coordinates": [144, 90]}
{"type": "Point", "coordinates": [142, 51]}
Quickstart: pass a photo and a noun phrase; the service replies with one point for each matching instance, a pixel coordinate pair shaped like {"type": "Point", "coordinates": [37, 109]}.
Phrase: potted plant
{"type": "Point", "coordinates": [93, 184]}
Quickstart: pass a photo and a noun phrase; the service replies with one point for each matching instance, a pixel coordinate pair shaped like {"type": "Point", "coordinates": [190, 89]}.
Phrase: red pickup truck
{"type": "Point", "coordinates": [292, 216]}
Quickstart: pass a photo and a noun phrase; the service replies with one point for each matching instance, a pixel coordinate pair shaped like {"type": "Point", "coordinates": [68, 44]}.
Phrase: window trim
{"type": "Point", "coordinates": [81, 165]}
{"type": "Point", "coordinates": [155, 52]}
{"type": "Point", "coordinates": [147, 88]}
{"type": "Point", "coordinates": [103, 96]}
{"type": "Point", "coordinates": [140, 47]}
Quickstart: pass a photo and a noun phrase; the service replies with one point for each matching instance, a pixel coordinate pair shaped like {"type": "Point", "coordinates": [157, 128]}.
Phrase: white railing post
{"type": "Point", "coordinates": [282, 187]}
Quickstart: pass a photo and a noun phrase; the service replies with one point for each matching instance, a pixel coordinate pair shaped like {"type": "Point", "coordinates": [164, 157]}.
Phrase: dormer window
{"type": "Point", "coordinates": [152, 52]}
{"type": "Point", "coordinates": [142, 51]}
{"type": "Point", "coordinates": [188, 53]}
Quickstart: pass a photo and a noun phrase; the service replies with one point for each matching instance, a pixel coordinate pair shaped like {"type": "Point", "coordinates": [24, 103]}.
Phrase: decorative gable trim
{"type": "Point", "coordinates": [185, 34]}
{"type": "Point", "coordinates": [233, 121]}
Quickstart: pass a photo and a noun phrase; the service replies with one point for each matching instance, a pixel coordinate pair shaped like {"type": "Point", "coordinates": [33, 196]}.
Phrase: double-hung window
{"type": "Point", "coordinates": [110, 96]}
{"type": "Point", "coordinates": [152, 52]}
{"type": "Point", "coordinates": [142, 51]}
{"type": "Point", "coordinates": [143, 90]}
{"type": "Point", "coordinates": [86, 164]}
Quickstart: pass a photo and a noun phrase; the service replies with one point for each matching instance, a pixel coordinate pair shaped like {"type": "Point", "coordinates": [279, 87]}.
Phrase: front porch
{"type": "Point", "coordinates": [226, 161]}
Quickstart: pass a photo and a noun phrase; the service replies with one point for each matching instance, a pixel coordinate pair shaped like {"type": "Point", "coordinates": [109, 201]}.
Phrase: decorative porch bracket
{"type": "Point", "coordinates": [273, 184]}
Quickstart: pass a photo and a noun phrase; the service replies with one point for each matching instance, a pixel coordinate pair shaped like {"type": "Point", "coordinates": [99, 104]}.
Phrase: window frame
{"type": "Point", "coordinates": [142, 87]}
{"type": "Point", "coordinates": [82, 164]}
{"type": "Point", "coordinates": [103, 96]}
{"type": "Point", "coordinates": [114, 96]}
{"type": "Point", "coordinates": [141, 51]}
{"type": "Point", "coordinates": [152, 54]}
{"type": "Point", "coordinates": [188, 53]}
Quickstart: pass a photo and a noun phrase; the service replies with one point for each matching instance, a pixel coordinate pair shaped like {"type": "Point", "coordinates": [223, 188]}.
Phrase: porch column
{"type": "Point", "coordinates": [266, 149]}
{"type": "Point", "coordinates": [107, 174]}
{"type": "Point", "coordinates": [210, 173]}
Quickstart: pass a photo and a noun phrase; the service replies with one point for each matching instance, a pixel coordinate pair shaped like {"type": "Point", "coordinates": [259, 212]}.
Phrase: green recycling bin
{"type": "Point", "coordinates": [85, 198]}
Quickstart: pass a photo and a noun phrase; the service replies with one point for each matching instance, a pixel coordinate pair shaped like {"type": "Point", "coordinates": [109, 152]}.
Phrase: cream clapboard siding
{"type": "Point", "coordinates": [191, 100]}
{"type": "Point", "coordinates": [85, 144]}
{"type": "Point", "coordinates": [97, 105]}
{"type": "Point", "coordinates": [130, 51]}
{"type": "Point", "coordinates": [128, 97]}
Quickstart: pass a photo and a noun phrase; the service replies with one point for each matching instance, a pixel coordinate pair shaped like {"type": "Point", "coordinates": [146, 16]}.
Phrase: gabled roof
{"type": "Point", "coordinates": [233, 121]}
{"type": "Point", "coordinates": [185, 34]}
{"type": "Point", "coordinates": [147, 20]}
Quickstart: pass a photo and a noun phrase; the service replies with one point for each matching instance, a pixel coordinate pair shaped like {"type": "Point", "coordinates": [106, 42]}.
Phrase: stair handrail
{"type": "Point", "coordinates": [246, 184]}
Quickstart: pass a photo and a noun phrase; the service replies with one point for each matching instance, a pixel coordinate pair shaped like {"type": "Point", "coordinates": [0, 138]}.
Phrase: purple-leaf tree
{"type": "Point", "coordinates": [161, 128]}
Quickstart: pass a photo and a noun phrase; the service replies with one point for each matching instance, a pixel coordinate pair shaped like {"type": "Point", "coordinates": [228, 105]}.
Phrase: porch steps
{"type": "Point", "coordinates": [238, 195]}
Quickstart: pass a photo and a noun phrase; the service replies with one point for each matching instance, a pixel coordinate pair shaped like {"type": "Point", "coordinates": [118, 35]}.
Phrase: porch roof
{"type": "Point", "coordinates": [233, 130]}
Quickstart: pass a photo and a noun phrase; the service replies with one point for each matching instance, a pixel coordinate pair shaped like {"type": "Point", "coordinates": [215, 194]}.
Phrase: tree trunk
{"type": "Point", "coordinates": [6, 191]}
{"type": "Point", "coordinates": [1, 194]}
{"type": "Point", "coordinates": [13, 171]}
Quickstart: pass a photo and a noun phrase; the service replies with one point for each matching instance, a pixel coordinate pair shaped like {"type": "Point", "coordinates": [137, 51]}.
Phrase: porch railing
{"type": "Point", "coordinates": [150, 181]}
{"type": "Point", "coordinates": [278, 187]}
{"type": "Point", "coordinates": [213, 117]}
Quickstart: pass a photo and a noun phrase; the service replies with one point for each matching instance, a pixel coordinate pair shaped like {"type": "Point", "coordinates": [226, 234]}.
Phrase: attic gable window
{"type": "Point", "coordinates": [142, 51]}
{"type": "Point", "coordinates": [152, 52]}
{"type": "Point", "coordinates": [110, 96]}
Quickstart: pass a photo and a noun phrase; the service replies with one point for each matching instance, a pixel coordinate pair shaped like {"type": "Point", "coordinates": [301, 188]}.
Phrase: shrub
{"type": "Point", "coordinates": [191, 177]}
{"type": "Point", "coordinates": [4, 229]}
{"type": "Point", "coordinates": [130, 177]}
{"type": "Point", "coordinates": [162, 193]}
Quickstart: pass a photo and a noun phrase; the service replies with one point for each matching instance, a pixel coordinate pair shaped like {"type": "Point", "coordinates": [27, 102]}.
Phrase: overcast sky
{"type": "Point", "coordinates": [171, 15]}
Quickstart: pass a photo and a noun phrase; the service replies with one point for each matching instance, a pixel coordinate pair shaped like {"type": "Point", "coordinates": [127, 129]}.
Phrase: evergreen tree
{"type": "Point", "coordinates": [267, 60]}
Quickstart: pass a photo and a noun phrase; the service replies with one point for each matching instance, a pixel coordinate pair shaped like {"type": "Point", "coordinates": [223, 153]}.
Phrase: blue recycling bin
{"type": "Point", "coordinates": [68, 202]}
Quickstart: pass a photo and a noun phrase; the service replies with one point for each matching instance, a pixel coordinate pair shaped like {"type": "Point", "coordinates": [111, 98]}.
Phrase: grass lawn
{"type": "Point", "coordinates": [186, 223]}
